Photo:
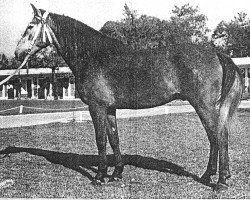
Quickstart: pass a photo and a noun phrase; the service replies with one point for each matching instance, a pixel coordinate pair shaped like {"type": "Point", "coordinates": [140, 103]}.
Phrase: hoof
{"type": "Point", "coordinates": [97, 182]}
{"type": "Point", "coordinates": [205, 179]}
{"type": "Point", "coordinates": [228, 176]}
{"type": "Point", "coordinates": [115, 179]}
{"type": "Point", "coordinates": [220, 187]}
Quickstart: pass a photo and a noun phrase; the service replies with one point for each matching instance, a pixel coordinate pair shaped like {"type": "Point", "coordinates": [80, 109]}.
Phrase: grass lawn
{"type": "Point", "coordinates": [164, 156]}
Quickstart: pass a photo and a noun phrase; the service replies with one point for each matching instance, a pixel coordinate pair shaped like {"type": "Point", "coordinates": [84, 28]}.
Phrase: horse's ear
{"type": "Point", "coordinates": [37, 12]}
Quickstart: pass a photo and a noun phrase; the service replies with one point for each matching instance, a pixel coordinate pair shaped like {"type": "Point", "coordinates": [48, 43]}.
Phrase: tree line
{"type": "Point", "coordinates": [186, 25]}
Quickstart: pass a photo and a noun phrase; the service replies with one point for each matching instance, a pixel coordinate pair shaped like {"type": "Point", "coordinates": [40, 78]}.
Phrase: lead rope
{"type": "Point", "coordinates": [45, 32]}
{"type": "Point", "coordinates": [16, 71]}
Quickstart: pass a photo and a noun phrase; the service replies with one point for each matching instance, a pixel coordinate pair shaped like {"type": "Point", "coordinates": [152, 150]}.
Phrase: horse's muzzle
{"type": "Point", "coordinates": [20, 55]}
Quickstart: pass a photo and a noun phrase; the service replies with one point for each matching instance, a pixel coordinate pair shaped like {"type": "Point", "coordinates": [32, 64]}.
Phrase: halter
{"type": "Point", "coordinates": [42, 24]}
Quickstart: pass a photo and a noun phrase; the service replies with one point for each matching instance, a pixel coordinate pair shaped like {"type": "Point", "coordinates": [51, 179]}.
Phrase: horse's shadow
{"type": "Point", "coordinates": [82, 163]}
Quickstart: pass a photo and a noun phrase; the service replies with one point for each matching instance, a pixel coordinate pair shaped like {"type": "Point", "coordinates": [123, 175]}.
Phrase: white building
{"type": "Point", "coordinates": [37, 83]}
{"type": "Point", "coordinates": [244, 65]}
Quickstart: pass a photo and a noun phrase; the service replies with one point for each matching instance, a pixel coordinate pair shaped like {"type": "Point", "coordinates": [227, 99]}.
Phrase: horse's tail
{"type": "Point", "coordinates": [231, 75]}
{"type": "Point", "coordinates": [231, 91]}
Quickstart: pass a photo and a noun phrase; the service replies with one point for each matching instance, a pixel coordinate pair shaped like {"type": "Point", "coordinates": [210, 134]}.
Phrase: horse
{"type": "Point", "coordinates": [109, 75]}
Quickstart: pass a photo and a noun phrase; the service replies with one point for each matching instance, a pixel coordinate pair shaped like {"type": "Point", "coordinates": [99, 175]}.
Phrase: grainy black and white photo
{"type": "Point", "coordinates": [125, 99]}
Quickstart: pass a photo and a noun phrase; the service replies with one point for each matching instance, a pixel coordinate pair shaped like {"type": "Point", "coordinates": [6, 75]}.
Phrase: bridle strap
{"type": "Point", "coordinates": [36, 34]}
{"type": "Point", "coordinates": [42, 25]}
{"type": "Point", "coordinates": [45, 28]}
{"type": "Point", "coordinates": [47, 32]}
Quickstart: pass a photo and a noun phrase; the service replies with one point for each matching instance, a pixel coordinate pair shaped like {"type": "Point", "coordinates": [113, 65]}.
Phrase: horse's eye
{"type": "Point", "coordinates": [30, 26]}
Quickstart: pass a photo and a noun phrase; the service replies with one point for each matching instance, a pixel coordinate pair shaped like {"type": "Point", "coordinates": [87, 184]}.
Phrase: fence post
{"type": "Point", "coordinates": [21, 109]}
{"type": "Point", "coordinates": [81, 116]}
{"type": "Point", "coordinates": [74, 118]}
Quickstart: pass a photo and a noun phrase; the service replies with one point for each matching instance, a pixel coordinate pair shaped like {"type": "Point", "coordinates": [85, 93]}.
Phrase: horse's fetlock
{"type": "Point", "coordinates": [98, 182]}
{"type": "Point", "coordinates": [220, 187]}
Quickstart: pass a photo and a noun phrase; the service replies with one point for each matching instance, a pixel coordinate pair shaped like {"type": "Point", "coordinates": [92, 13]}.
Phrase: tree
{"type": "Point", "coordinates": [3, 61]}
{"type": "Point", "coordinates": [8, 63]}
{"type": "Point", "coordinates": [189, 24]}
{"type": "Point", "coordinates": [233, 37]}
{"type": "Point", "coordinates": [142, 32]}
{"type": "Point", "coordinates": [138, 32]}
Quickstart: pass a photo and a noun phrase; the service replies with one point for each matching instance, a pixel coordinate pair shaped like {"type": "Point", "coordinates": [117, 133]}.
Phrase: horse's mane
{"type": "Point", "coordinates": [80, 37]}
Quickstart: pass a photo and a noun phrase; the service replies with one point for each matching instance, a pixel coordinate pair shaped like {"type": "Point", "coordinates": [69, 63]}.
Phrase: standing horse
{"type": "Point", "coordinates": [109, 76]}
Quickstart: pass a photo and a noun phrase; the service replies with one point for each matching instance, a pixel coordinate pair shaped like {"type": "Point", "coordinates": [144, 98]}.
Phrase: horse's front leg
{"type": "Point", "coordinates": [114, 143]}
{"type": "Point", "coordinates": [99, 118]}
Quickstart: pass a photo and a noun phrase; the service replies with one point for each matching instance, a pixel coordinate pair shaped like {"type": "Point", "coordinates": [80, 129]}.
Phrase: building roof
{"type": "Point", "coordinates": [242, 61]}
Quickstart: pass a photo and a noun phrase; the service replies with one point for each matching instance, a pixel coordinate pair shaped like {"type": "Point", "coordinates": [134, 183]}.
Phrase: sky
{"type": "Point", "coordinates": [16, 14]}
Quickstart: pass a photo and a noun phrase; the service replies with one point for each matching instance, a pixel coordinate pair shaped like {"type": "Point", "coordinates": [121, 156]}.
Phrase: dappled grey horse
{"type": "Point", "coordinates": [109, 75]}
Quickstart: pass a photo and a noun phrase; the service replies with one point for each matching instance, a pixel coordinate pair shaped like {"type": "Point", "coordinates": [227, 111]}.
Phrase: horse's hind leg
{"type": "Point", "coordinates": [217, 124]}
{"type": "Point", "coordinates": [226, 112]}
{"type": "Point", "coordinates": [227, 109]}
{"type": "Point", "coordinates": [114, 142]}
{"type": "Point", "coordinates": [209, 117]}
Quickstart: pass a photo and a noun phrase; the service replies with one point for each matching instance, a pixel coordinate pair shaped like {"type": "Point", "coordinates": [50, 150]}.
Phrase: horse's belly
{"type": "Point", "coordinates": [144, 99]}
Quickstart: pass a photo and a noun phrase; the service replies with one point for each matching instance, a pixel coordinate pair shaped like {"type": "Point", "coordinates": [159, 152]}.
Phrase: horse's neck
{"type": "Point", "coordinates": [79, 43]}
{"type": "Point", "coordinates": [74, 46]}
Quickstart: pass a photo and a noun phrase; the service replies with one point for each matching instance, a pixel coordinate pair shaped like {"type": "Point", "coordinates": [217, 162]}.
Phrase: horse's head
{"type": "Point", "coordinates": [37, 35]}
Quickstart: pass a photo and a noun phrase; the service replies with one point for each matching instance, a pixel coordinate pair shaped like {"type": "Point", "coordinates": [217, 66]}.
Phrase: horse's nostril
{"type": "Point", "coordinates": [19, 56]}
{"type": "Point", "coordinates": [16, 55]}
